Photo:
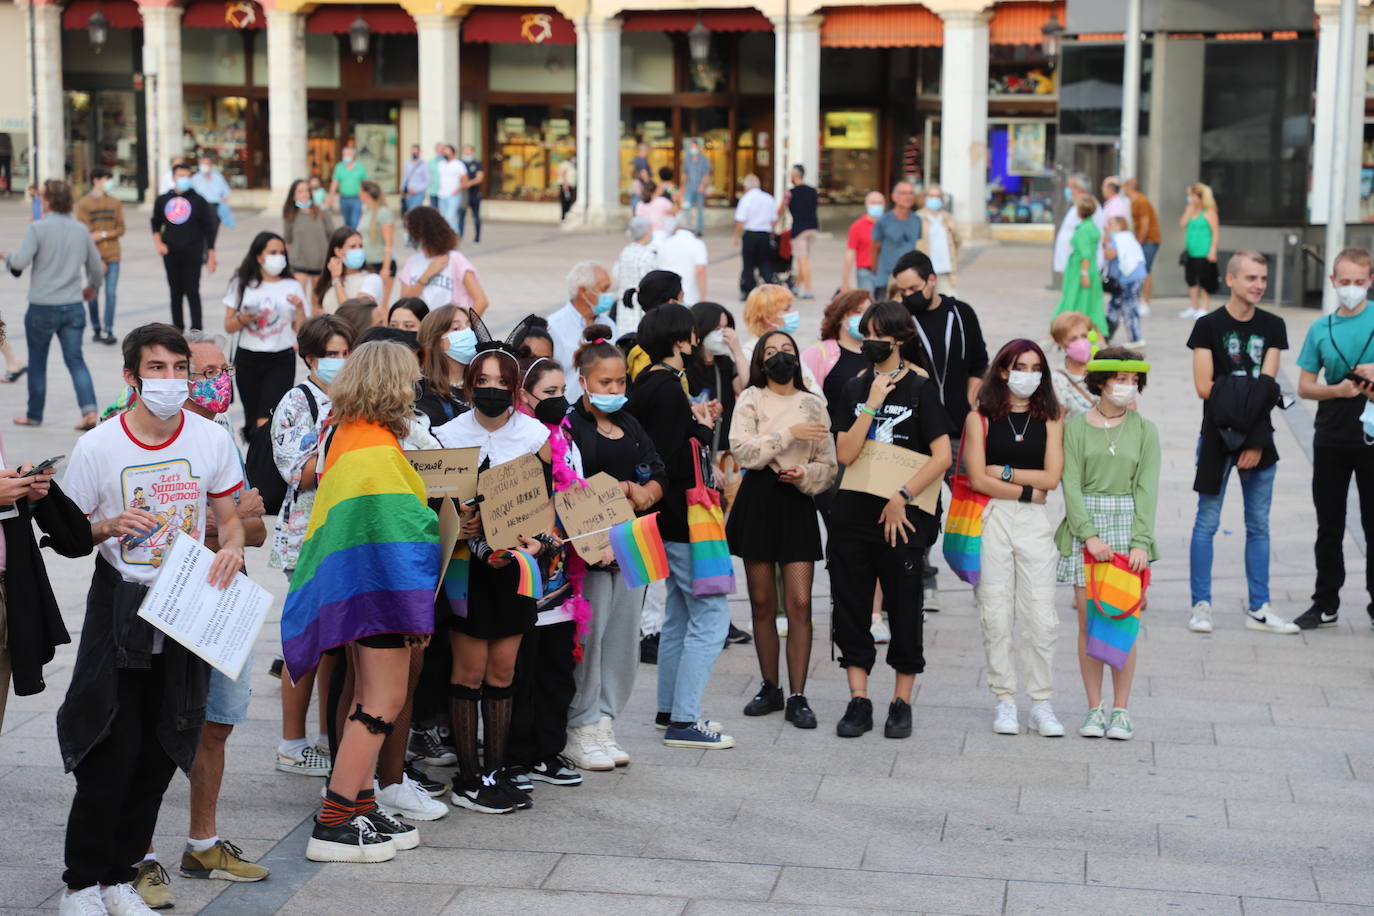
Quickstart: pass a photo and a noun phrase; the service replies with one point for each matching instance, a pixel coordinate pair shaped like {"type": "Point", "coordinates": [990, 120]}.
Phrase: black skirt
{"type": "Point", "coordinates": [772, 521]}
{"type": "Point", "coordinates": [495, 610]}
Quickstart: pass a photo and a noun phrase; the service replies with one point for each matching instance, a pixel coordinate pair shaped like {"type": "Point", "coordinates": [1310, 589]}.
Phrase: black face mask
{"type": "Point", "coordinates": [917, 302]}
{"type": "Point", "coordinates": [491, 402]}
{"type": "Point", "coordinates": [781, 367]}
{"type": "Point", "coordinates": [551, 411]}
{"type": "Point", "coordinates": [876, 351]}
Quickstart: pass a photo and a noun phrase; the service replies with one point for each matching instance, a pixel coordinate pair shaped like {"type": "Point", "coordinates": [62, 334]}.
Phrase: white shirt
{"type": "Point", "coordinates": [938, 240]}
{"type": "Point", "coordinates": [444, 288]}
{"type": "Point", "coordinates": [451, 175]}
{"type": "Point", "coordinates": [111, 471]}
{"type": "Point", "coordinates": [520, 435]}
{"type": "Point", "coordinates": [757, 210]}
{"type": "Point", "coordinates": [363, 283]}
{"type": "Point", "coordinates": [1129, 254]}
{"type": "Point", "coordinates": [565, 327]}
{"type": "Point", "coordinates": [682, 253]}
{"type": "Point", "coordinates": [271, 328]}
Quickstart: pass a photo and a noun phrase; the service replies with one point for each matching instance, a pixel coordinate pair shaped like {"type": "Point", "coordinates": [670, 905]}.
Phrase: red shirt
{"type": "Point", "coordinates": [861, 241]}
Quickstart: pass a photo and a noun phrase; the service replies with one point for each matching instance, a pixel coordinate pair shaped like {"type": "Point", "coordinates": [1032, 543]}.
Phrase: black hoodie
{"type": "Point", "coordinates": [660, 405]}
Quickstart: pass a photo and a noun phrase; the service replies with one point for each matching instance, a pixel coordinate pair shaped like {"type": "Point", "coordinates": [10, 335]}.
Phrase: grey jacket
{"type": "Point", "coordinates": [58, 247]}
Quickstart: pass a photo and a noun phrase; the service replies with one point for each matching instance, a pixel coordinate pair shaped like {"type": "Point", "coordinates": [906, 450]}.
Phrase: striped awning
{"type": "Point", "coordinates": [901, 26]}
{"type": "Point", "coordinates": [1020, 23]}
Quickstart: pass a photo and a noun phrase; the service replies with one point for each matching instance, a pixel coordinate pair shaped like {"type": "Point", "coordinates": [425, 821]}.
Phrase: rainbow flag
{"type": "Point", "coordinates": [456, 579]}
{"type": "Point", "coordinates": [370, 560]}
{"type": "Point", "coordinates": [638, 549]}
{"type": "Point", "coordinates": [963, 543]}
{"type": "Point", "coordinates": [1115, 595]}
{"type": "Point", "coordinates": [531, 579]}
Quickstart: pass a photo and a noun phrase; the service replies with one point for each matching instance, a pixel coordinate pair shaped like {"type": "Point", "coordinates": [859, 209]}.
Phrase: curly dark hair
{"type": "Point", "coordinates": [431, 231]}
{"type": "Point", "coordinates": [833, 320]}
{"type": "Point", "coordinates": [994, 398]}
{"type": "Point", "coordinates": [1096, 381]}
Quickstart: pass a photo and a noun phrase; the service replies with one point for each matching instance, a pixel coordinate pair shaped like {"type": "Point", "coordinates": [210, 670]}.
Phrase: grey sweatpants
{"type": "Point", "coordinates": [610, 652]}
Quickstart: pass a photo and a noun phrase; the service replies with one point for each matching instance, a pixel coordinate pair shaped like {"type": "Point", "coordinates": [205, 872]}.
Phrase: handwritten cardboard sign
{"type": "Point", "coordinates": [447, 471]}
{"type": "Point", "coordinates": [515, 501]}
{"type": "Point", "coordinates": [601, 505]}
{"type": "Point", "coordinates": [882, 469]}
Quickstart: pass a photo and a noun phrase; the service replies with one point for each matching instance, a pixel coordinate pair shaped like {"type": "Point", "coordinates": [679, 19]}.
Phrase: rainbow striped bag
{"type": "Point", "coordinates": [1115, 596]}
{"type": "Point", "coordinates": [964, 522]}
{"type": "Point", "coordinates": [713, 572]}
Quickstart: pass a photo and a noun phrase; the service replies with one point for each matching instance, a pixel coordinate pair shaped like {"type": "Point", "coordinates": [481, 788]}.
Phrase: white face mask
{"type": "Point", "coordinates": [715, 343]}
{"type": "Point", "coordinates": [1352, 296]}
{"type": "Point", "coordinates": [1123, 395]}
{"type": "Point", "coordinates": [274, 264]}
{"type": "Point", "coordinates": [1023, 384]}
{"type": "Point", "coordinates": [164, 396]}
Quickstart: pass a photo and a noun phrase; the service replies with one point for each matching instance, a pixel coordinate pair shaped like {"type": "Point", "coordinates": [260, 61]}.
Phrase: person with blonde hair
{"type": "Point", "coordinates": [768, 307]}
{"type": "Point", "coordinates": [1074, 334]}
{"type": "Point", "coordinates": [1082, 291]}
{"type": "Point", "coordinates": [1202, 230]}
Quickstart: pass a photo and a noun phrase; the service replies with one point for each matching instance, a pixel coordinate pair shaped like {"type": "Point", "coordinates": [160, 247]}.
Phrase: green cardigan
{"type": "Point", "coordinates": [1090, 469]}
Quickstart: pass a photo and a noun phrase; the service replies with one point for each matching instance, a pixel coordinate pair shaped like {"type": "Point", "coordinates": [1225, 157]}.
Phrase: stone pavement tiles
{"type": "Point", "coordinates": [1248, 788]}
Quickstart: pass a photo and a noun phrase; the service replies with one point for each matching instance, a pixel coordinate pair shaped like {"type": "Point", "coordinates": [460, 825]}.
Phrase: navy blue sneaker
{"type": "Point", "coordinates": [696, 735]}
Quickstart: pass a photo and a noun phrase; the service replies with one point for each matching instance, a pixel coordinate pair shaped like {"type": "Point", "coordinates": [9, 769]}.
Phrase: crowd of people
{"type": "Point", "coordinates": [639, 377]}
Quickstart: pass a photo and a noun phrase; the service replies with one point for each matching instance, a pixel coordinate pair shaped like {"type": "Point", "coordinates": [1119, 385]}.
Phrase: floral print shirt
{"type": "Point", "coordinates": [295, 440]}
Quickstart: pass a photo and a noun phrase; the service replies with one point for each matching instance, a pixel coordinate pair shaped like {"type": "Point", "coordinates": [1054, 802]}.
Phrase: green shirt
{"type": "Point", "coordinates": [350, 179]}
{"type": "Point", "coordinates": [1197, 237]}
{"type": "Point", "coordinates": [1089, 467]}
{"type": "Point", "coordinates": [1335, 344]}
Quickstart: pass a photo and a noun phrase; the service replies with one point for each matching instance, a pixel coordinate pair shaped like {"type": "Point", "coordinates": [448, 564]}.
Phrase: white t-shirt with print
{"type": "Point", "coordinates": [444, 288]}
{"type": "Point", "coordinates": [271, 327]}
{"type": "Point", "coordinates": [362, 283]}
{"type": "Point", "coordinates": [111, 471]}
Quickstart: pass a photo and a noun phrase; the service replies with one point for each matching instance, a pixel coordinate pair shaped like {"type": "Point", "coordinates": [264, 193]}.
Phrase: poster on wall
{"type": "Point", "coordinates": [851, 130]}
{"type": "Point", "coordinates": [1026, 149]}
{"type": "Point", "coordinates": [377, 151]}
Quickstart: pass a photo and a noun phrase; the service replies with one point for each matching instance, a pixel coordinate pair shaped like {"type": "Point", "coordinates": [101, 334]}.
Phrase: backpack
{"type": "Point", "coordinates": [261, 465]}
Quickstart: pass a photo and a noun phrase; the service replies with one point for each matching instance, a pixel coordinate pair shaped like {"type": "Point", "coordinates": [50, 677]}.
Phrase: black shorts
{"type": "Point", "coordinates": [376, 267]}
{"type": "Point", "coordinates": [1201, 272]}
{"type": "Point", "coordinates": [384, 641]}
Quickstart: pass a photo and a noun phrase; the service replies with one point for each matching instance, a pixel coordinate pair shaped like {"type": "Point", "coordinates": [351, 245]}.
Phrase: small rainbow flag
{"type": "Point", "coordinates": [531, 579]}
{"type": "Point", "coordinates": [456, 579]}
{"type": "Point", "coordinates": [638, 549]}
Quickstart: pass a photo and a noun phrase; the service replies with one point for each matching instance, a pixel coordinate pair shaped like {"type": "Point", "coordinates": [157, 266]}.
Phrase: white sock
{"type": "Point", "coordinates": [292, 747]}
{"type": "Point", "coordinates": [322, 740]}
{"type": "Point", "coordinates": [150, 857]}
{"type": "Point", "coordinates": [201, 845]}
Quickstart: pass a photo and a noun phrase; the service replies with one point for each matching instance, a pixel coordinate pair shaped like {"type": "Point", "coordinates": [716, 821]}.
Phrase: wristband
{"type": "Point", "coordinates": [868, 410]}
{"type": "Point", "coordinates": [1026, 493]}
{"type": "Point", "coordinates": [906, 494]}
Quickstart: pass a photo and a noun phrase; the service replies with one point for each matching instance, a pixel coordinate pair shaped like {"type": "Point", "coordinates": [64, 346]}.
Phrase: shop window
{"type": "Point", "coordinates": [14, 156]}
{"type": "Point", "coordinates": [533, 68]}
{"type": "Point", "coordinates": [1256, 129]}
{"type": "Point", "coordinates": [398, 61]}
{"type": "Point", "coordinates": [1367, 174]}
{"type": "Point", "coordinates": [646, 62]}
{"type": "Point", "coordinates": [653, 126]}
{"type": "Point", "coordinates": [528, 146]}
{"type": "Point", "coordinates": [711, 128]}
{"type": "Point", "coordinates": [218, 125]}
{"type": "Point", "coordinates": [321, 61]}
{"type": "Point", "coordinates": [374, 127]}
{"type": "Point", "coordinates": [929, 71]}
{"type": "Point", "coordinates": [755, 55]}
{"type": "Point", "coordinates": [116, 57]}
{"type": "Point", "coordinates": [321, 137]}
{"type": "Point", "coordinates": [850, 162]}
{"type": "Point", "coordinates": [852, 72]}
{"type": "Point", "coordinates": [213, 57]}
{"type": "Point", "coordinates": [1090, 89]}
{"type": "Point", "coordinates": [1021, 171]}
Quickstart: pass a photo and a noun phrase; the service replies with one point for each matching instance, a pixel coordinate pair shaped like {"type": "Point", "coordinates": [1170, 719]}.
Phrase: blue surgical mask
{"type": "Point", "coordinates": [934, 203]}
{"type": "Point", "coordinates": [853, 327]}
{"type": "Point", "coordinates": [1068, 194]}
{"type": "Point", "coordinates": [791, 321]}
{"type": "Point", "coordinates": [318, 196]}
{"type": "Point", "coordinates": [462, 346]}
{"type": "Point", "coordinates": [328, 367]}
{"type": "Point", "coordinates": [354, 258]}
{"type": "Point", "coordinates": [604, 303]}
{"type": "Point", "coordinates": [183, 185]}
{"type": "Point", "coordinates": [875, 210]}
{"type": "Point", "coordinates": [607, 403]}
{"type": "Point", "coordinates": [304, 205]}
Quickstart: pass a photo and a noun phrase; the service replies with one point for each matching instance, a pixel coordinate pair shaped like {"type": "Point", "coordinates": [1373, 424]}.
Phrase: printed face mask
{"type": "Point", "coordinates": [1023, 384]}
{"type": "Point", "coordinates": [163, 396]}
{"type": "Point", "coordinates": [213, 394]}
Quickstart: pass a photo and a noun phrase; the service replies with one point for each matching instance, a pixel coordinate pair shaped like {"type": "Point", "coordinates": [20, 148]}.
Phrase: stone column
{"type": "Point", "coordinates": [964, 118]}
{"type": "Point", "coordinates": [598, 126]}
{"type": "Point", "coordinates": [286, 116]}
{"type": "Point", "coordinates": [439, 106]}
{"type": "Point", "coordinates": [1325, 115]}
{"type": "Point", "coordinates": [48, 146]}
{"type": "Point", "coordinates": [162, 58]}
{"type": "Point", "coordinates": [797, 112]}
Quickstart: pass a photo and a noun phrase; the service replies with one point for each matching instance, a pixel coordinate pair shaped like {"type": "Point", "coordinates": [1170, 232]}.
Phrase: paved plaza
{"type": "Point", "coordinates": [1249, 787]}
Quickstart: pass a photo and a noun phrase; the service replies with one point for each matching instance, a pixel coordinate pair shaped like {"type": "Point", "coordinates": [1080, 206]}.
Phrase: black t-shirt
{"type": "Point", "coordinates": [1003, 448]}
{"type": "Point", "coordinates": [474, 192]}
{"type": "Point", "coordinates": [801, 204]}
{"type": "Point", "coordinates": [850, 365]}
{"type": "Point", "coordinates": [965, 357]}
{"type": "Point", "coordinates": [911, 417]}
{"type": "Point", "coordinates": [616, 457]}
{"type": "Point", "coordinates": [1238, 347]}
{"type": "Point", "coordinates": [702, 378]}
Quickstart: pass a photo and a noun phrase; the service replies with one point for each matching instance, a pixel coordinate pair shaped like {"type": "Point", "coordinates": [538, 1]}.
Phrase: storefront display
{"type": "Point", "coordinates": [219, 126]}
{"type": "Point", "coordinates": [1020, 178]}
{"type": "Point", "coordinates": [850, 165]}
{"type": "Point", "coordinates": [528, 147]}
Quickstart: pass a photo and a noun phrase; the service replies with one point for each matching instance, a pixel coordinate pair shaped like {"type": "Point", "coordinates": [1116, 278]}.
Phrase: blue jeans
{"type": "Point", "coordinates": [412, 201]}
{"type": "Point", "coordinates": [693, 634]}
{"type": "Point", "coordinates": [866, 279]}
{"type": "Point", "coordinates": [449, 207]}
{"type": "Point", "coordinates": [351, 209]}
{"type": "Point", "coordinates": [41, 322]}
{"type": "Point", "coordinates": [111, 281]}
{"type": "Point", "coordinates": [1257, 489]}
{"type": "Point", "coordinates": [697, 201]}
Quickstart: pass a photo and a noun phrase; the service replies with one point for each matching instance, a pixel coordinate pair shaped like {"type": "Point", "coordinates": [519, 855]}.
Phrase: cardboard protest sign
{"type": "Point", "coordinates": [447, 471]}
{"type": "Point", "coordinates": [882, 469]}
{"type": "Point", "coordinates": [597, 508]}
{"type": "Point", "coordinates": [515, 501]}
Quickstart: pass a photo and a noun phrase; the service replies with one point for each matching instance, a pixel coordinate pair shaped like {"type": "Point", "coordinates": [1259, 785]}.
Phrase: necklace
{"type": "Point", "coordinates": [1019, 435]}
{"type": "Point", "coordinates": [1120, 430]}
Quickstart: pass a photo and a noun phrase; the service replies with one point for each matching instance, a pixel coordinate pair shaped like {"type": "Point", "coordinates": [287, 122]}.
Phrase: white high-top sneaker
{"type": "Point", "coordinates": [606, 734]}
{"type": "Point", "coordinates": [584, 749]}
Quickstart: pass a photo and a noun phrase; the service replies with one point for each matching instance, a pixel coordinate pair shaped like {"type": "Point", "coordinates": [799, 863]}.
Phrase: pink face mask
{"type": "Point", "coordinates": [213, 394]}
{"type": "Point", "coordinates": [1080, 351]}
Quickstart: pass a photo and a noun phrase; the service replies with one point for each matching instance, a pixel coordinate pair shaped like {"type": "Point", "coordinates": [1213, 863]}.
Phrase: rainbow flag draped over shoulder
{"type": "Point", "coordinates": [370, 560]}
{"type": "Point", "coordinates": [638, 549]}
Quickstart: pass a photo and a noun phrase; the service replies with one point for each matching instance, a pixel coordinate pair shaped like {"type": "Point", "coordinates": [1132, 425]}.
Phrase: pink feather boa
{"type": "Point", "coordinates": [564, 477]}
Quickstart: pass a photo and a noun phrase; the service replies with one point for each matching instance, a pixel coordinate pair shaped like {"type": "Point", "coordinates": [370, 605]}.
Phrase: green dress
{"type": "Point", "coordinates": [1083, 248]}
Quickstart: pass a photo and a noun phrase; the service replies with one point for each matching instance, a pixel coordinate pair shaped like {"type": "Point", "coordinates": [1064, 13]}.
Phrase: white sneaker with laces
{"type": "Point", "coordinates": [85, 902]}
{"type": "Point", "coordinates": [309, 762]}
{"type": "Point", "coordinates": [1201, 621]}
{"type": "Point", "coordinates": [123, 900]}
{"type": "Point", "coordinates": [881, 634]}
{"type": "Point", "coordinates": [1189, 312]}
{"type": "Point", "coordinates": [407, 799]}
{"type": "Point", "coordinates": [1264, 618]}
{"type": "Point", "coordinates": [605, 732]}
{"type": "Point", "coordinates": [1006, 722]}
{"type": "Point", "coordinates": [584, 749]}
{"type": "Point", "coordinates": [1044, 721]}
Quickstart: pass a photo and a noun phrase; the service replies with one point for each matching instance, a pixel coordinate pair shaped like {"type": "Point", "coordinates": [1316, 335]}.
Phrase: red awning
{"type": "Point", "coordinates": [224, 14]}
{"type": "Point", "coordinates": [119, 14]}
{"type": "Point", "coordinates": [683, 21]}
{"type": "Point", "coordinates": [382, 20]}
{"type": "Point", "coordinates": [901, 26]}
{"type": "Point", "coordinates": [1019, 23]}
{"type": "Point", "coordinates": [520, 26]}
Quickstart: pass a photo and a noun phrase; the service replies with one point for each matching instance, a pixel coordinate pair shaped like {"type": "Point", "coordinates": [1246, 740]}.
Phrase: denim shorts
{"type": "Point", "coordinates": [227, 701]}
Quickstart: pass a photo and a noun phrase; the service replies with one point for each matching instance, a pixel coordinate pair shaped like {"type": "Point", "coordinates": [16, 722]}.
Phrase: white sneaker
{"type": "Point", "coordinates": [606, 734]}
{"type": "Point", "coordinates": [584, 749]}
{"type": "Point", "coordinates": [781, 623]}
{"type": "Point", "coordinates": [1189, 312]}
{"type": "Point", "coordinates": [1043, 720]}
{"type": "Point", "coordinates": [309, 762]}
{"type": "Point", "coordinates": [1201, 621]}
{"type": "Point", "coordinates": [123, 900]}
{"type": "Point", "coordinates": [1136, 344]}
{"type": "Point", "coordinates": [1264, 618]}
{"type": "Point", "coordinates": [930, 599]}
{"type": "Point", "coordinates": [407, 799]}
{"type": "Point", "coordinates": [85, 902]}
{"type": "Point", "coordinates": [1006, 722]}
{"type": "Point", "coordinates": [881, 634]}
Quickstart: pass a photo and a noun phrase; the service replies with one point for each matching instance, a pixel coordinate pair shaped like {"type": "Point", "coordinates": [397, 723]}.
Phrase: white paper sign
{"type": "Point", "coordinates": [219, 626]}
